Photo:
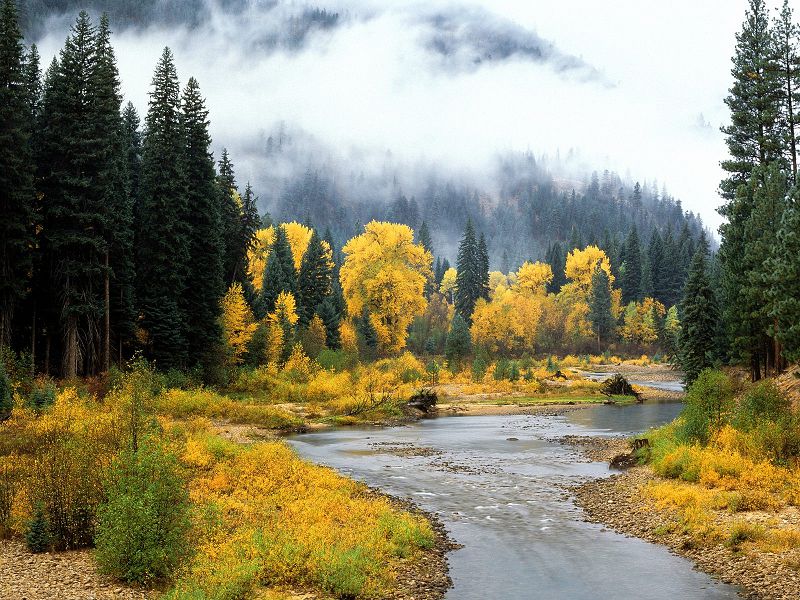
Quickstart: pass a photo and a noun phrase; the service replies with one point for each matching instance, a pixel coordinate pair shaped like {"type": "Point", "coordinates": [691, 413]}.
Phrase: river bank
{"type": "Point", "coordinates": [618, 502]}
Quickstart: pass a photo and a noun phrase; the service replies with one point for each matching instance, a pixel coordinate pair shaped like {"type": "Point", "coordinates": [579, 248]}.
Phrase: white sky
{"type": "Point", "coordinates": [372, 84]}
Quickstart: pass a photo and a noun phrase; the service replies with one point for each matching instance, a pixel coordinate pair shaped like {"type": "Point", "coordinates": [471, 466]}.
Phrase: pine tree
{"type": "Point", "coordinates": [16, 172]}
{"type": "Point", "coordinates": [698, 316]}
{"type": "Point", "coordinates": [368, 335]}
{"type": "Point", "coordinates": [330, 318]}
{"type": "Point", "coordinates": [469, 281]}
{"type": "Point", "coordinates": [204, 229]}
{"type": "Point", "coordinates": [785, 285]}
{"type": "Point", "coordinates": [114, 198]}
{"type": "Point", "coordinates": [279, 274]}
{"type": "Point", "coordinates": [655, 257]}
{"type": "Point", "coordinates": [632, 275]}
{"type": "Point", "coordinates": [313, 280]}
{"type": "Point", "coordinates": [557, 259]}
{"type": "Point", "coordinates": [424, 237]}
{"type": "Point", "coordinates": [133, 144]}
{"type": "Point", "coordinates": [786, 35]}
{"type": "Point", "coordinates": [458, 344]}
{"type": "Point", "coordinates": [162, 240]}
{"type": "Point", "coordinates": [73, 172]}
{"type": "Point", "coordinates": [249, 224]}
{"type": "Point", "coordinates": [600, 307]}
{"type": "Point", "coordinates": [231, 214]}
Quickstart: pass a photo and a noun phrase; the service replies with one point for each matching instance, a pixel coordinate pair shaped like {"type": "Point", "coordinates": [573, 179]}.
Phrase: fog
{"type": "Point", "coordinates": [627, 85]}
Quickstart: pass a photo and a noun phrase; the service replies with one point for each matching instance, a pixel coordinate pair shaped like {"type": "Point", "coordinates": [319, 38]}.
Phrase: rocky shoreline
{"type": "Point", "coordinates": [617, 503]}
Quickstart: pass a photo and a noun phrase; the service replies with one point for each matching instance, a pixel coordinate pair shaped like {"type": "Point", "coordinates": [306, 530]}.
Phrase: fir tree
{"type": "Point", "coordinates": [600, 307]}
{"type": "Point", "coordinates": [204, 229]}
{"type": "Point", "coordinates": [424, 237]}
{"type": "Point", "coordinates": [16, 172]}
{"type": "Point", "coordinates": [114, 197]}
{"type": "Point", "coordinates": [37, 534]}
{"type": "Point", "coordinates": [163, 244]}
{"type": "Point", "coordinates": [458, 344]}
{"type": "Point", "coordinates": [367, 334]}
{"type": "Point", "coordinates": [632, 275]}
{"type": "Point", "coordinates": [313, 280]}
{"type": "Point", "coordinates": [231, 214]}
{"type": "Point", "coordinates": [557, 259]}
{"type": "Point", "coordinates": [75, 217]}
{"type": "Point", "coordinates": [698, 314]}
{"type": "Point", "coordinates": [279, 274]}
{"type": "Point", "coordinates": [469, 280]}
{"type": "Point", "coordinates": [785, 285]}
{"type": "Point", "coordinates": [330, 318]}
{"type": "Point", "coordinates": [655, 258]}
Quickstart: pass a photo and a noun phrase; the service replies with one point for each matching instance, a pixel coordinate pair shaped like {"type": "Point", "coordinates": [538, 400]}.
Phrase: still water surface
{"type": "Point", "coordinates": [506, 502]}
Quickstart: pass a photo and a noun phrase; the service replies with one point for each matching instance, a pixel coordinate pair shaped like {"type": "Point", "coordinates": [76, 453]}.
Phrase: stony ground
{"type": "Point", "coordinates": [617, 503]}
{"type": "Point", "coordinates": [61, 576]}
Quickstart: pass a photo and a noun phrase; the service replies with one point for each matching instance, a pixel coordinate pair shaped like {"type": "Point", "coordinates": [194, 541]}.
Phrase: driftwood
{"type": "Point", "coordinates": [424, 400]}
{"type": "Point", "coordinates": [619, 386]}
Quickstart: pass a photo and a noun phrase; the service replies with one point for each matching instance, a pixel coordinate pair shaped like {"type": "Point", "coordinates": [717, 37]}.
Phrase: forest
{"type": "Point", "coordinates": [152, 306]}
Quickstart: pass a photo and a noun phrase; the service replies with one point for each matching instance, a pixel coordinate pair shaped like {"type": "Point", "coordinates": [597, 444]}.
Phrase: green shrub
{"type": "Point", "coordinates": [37, 534]}
{"type": "Point", "coordinates": [42, 395]}
{"type": "Point", "coordinates": [709, 403]}
{"type": "Point", "coordinates": [501, 369]}
{"type": "Point", "coordinates": [762, 402]}
{"type": "Point", "coordinates": [337, 360]}
{"type": "Point", "coordinates": [479, 368]}
{"type": "Point", "coordinates": [142, 526]}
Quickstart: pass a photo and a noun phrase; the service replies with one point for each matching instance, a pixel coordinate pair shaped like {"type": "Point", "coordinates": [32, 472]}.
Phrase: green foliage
{"type": "Point", "coordinates": [632, 273]}
{"type": "Point", "coordinates": [459, 343]}
{"type": "Point", "coordinates": [698, 321]}
{"type": "Point", "coordinates": [279, 274]}
{"type": "Point", "coordinates": [37, 533]}
{"type": "Point", "coordinates": [42, 395]}
{"type": "Point", "coordinates": [480, 365]}
{"type": "Point", "coordinates": [600, 307]}
{"type": "Point", "coordinates": [709, 404]}
{"type": "Point", "coordinates": [470, 279]}
{"type": "Point", "coordinates": [313, 280]}
{"type": "Point", "coordinates": [337, 360]}
{"type": "Point", "coordinates": [143, 525]}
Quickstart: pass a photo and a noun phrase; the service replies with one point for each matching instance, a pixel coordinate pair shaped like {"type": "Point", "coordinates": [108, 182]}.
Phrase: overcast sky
{"type": "Point", "coordinates": [622, 81]}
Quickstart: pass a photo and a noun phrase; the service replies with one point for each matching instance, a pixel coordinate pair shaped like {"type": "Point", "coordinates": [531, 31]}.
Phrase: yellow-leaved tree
{"type": "Point", "coordinates": [237, 322]}
{"type": "Point", "coordinates": [641, 320]}
{"type": "Point", "coordinates": [574, 296]}
{"type": "Point", "coordinates": [385, 272]}
{"type": "Point", "coordinates": [510, 322]}
{"type": "Point", "coordinates": [298, 236]}
{"type": "Point", "coordinates": [448, 285]}
{"type": "Point", "coordinates": [258, 254]}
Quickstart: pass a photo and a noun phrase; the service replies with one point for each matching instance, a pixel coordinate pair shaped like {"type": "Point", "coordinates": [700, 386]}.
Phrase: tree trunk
{"type": "Point", "coordinates": [71, 348]}
{"type": "Point", "coordinates": [107, 319]}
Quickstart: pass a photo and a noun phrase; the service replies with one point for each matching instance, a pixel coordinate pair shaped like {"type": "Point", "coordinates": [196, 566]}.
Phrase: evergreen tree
{"type": "Point", "coordinates": [6, 394]}
{"type": "Point", "coordinates": [655, 258]}
{"type": "Point", "coordinates": [162, 240]}
{"type": "Point", "coordinates": [206, 247]}
{"type": "Point", "coordinates": [787, 59]}
{"type": "Point", "coordinates": [600, 307]}
{"type": "Point", "coordinates": [16, 172]}
{"type": "Point", "coordinates": [424, 237]}
{"type": "Point", "coordinates": [114, 197]}
{"type": "Point", "coordinates": [279, 274]}
{"type": "Point", "coordinates": [458, 344]}
{"type": "Point", "coordinates": [647, 285]}
{"type": "Point", "coordinates": [785, 285]}
{"type": "Point", "coordinates": [313, 280]}
{"type": "Point", "coordinates": [231, 213]}
{"type": "Point", "coordinates": [469, 280]}
{"type": "Point", "coordinates": [557, 259]}
{"type": "Point", "coordinates": [133, 144]}
{"type": "Point", "coordinates": [669, 276]}
{"type": "Point", "coordinates": [249, 225]}
{"type": "Point", "coordinates": [698, 314]}
{"type": "Point", "coordinates": [74, 170]}
{"type": "Point", "coordinates": [632, 275]}
{"type": "Point", "coordinates": [367, 333]}
{"type": "Point", "coordinates": [330, 317]}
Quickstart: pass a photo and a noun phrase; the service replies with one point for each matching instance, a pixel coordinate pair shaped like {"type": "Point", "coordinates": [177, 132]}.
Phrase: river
{"type": "Point", "coordinates": [506, 501]}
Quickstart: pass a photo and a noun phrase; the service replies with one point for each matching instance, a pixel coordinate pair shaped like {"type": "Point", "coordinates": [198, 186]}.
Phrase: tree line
{"type": "Point", "coordinates": [114, 237]}
{"type": "Point", "coordinates": [744, 305]}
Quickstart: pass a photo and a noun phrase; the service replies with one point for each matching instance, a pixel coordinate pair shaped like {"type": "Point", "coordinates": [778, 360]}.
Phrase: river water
{"type": "Point", "coordinates": [506, 502]}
